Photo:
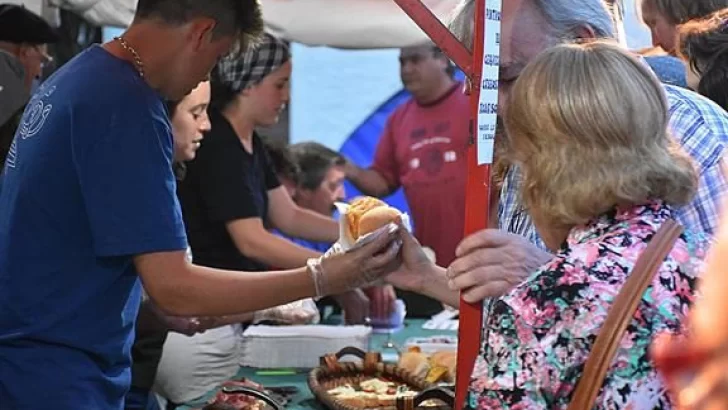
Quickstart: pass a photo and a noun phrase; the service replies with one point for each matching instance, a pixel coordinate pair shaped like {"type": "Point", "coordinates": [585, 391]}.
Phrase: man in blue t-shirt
{"type": "Point", "coordinates": [88, 206]}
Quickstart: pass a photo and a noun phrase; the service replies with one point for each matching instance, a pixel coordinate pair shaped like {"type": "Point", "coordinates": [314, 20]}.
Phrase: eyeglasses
{"type": "Point", "coordinates": [46, 59]}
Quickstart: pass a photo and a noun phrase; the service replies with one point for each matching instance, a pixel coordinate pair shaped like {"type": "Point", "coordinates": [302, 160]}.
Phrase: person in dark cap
{"type": "Point", "coordinates": [26, 36]}
{"type": "Point", "coordinates": [13, 96]}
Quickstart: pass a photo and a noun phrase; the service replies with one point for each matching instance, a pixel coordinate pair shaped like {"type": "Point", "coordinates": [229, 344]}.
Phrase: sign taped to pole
{"type": "Point", "coordinates": [488, 104]}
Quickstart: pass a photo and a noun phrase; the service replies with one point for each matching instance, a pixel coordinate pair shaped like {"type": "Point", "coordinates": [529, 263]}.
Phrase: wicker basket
{"type": "Point", "coordinates": [333, 373]}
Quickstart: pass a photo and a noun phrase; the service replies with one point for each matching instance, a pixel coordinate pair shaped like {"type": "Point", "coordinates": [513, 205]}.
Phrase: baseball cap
{"type": "Point", "coordinates": [20, 25]}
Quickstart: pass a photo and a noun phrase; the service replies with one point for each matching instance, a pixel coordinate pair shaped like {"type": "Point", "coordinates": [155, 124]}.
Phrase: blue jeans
{"type": "Point", "coordinates": [140, 399]}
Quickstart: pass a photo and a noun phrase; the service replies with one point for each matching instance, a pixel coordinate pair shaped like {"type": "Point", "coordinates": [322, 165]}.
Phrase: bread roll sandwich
{"type": "Point", "coordinates": [415, 362]}
{"type": "Point", "coordinates": [366, 214]}
{"type": "Point", "coordinates": [435, 368]}
{"type": "Point", "coordinates": [443, 364]}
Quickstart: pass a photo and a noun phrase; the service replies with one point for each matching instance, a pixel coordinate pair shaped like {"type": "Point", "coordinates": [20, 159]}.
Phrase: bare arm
{"type": "Point", "coordinates": [296, 221]}
{"type": "Point", "coordinates": [368, 181]}
{"type": "Point", "coordinates": [181, 289]}
{"type": "Point", "coordinates": [230, 320]}
{"type": "Point", "coordinates": [193, 325]}
{"type": "Point", "coordinates": [256, 242]}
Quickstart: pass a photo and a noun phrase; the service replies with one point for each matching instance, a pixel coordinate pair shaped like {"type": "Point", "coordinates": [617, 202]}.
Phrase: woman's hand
{"type": "Point", "coordinates": [363, 265]}
{"type": "Point", "coordinates": [416, 266]}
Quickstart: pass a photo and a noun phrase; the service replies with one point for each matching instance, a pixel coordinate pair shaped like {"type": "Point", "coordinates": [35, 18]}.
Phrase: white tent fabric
{"type": "Point", "coordinates": [360, 24]}
{"type": "Point", "coordinates": [101, 12]}
{"type": "Point", "coordinates": [357, 24]}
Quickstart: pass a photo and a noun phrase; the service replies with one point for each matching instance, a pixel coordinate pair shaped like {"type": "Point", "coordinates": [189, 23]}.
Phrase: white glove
{"type": "Point", "coordinates": [302, 312]}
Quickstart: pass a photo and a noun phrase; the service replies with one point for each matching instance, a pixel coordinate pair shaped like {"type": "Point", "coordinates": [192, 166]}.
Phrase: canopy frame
{"type": "Point", "coordinates": [478, 194]}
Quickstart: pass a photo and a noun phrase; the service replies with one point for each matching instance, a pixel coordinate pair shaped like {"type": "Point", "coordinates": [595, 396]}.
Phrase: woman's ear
{"type": "Point", "coordinates": [200, 32]}
{"type": "Point", "coordinates": [585, 33]}
{"type": "Point", "coordinates": [247, 91]}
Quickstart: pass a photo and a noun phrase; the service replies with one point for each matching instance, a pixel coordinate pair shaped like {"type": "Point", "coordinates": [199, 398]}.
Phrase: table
{"type": "Point", "coordinates": [304, 399]}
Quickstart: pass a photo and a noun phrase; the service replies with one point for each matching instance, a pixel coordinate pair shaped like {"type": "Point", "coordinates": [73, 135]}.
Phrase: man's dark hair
{"type": "Point", "coordinates": [713, 83]}
{"type": "Point", "coordinates": [314, 160]}
{"type": "Point", "coordinates": [283, 162]}
{"type": "Point", "coordinates": [240, 18]}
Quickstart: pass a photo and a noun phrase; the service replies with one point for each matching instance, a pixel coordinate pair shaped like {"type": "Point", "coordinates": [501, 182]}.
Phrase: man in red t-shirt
{"type": "Point", "coordinates": [423, 150]}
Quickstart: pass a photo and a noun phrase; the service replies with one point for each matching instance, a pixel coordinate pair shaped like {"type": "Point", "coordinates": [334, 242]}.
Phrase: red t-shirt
{"type": "Point", "coordinates": [423, 149]}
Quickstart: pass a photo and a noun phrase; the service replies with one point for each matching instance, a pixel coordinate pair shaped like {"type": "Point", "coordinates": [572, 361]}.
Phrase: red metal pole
{"type": "Point", "coordinates": [478, 184]}
{"type": "Point", "coordinates": [477, 207]}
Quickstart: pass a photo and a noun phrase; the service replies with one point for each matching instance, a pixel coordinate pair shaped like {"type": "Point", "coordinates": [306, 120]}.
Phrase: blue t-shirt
{"type": "Point", "coordinates": [87, 185]}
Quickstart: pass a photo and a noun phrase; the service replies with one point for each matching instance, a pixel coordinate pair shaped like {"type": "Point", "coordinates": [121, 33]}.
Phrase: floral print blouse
{"type": "Point", "coordinates": [537, 337]}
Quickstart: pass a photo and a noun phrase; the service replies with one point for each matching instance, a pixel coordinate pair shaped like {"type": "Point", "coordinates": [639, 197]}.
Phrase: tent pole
{"type": "Point", "coordinates": [477, 217]}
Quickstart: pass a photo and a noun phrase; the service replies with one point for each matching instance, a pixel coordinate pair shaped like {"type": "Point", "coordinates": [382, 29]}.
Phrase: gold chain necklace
{"type": "Point", "coordinates": [137, 60]}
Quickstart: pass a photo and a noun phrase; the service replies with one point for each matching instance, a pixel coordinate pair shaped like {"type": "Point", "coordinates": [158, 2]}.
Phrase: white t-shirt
{"type": "Point", "coordinates": [191, 366]}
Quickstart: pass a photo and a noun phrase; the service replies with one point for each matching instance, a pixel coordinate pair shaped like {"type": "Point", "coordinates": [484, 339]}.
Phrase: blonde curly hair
{"type": "Point", "coordinates": [587, 124]}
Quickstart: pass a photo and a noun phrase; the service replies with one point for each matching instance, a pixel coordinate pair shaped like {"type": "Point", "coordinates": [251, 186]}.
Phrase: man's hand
{"type": "Point", "coordinates": [491, 262]}
{"type": "Point", "coordinates": [355, 306]}
{"type": "Point", "coordinates": [368, 181]}
{"type": "Point", "coordinates": [383, 300]}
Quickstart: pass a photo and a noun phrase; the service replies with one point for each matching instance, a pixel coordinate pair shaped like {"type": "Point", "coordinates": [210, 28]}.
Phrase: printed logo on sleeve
{"type": "Point", "coordinates": [32, 122]}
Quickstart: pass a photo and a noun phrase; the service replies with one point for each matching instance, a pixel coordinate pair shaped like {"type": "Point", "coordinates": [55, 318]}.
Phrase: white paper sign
{"type": "Point", "coordinates": [488, 107]}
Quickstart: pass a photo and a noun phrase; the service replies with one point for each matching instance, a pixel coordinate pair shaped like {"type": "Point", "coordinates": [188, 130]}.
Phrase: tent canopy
{"type": "Point", "coordinates": [352, 24]}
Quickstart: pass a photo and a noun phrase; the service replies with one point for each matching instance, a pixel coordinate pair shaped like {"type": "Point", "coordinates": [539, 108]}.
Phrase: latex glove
{"type": "Point", "coordinates": [362, 265]}
{"type": "Point", "coordinates": [302, 312]}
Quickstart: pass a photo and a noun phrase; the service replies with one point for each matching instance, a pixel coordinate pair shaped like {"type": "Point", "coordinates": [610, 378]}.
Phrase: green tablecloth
{"type": "Point", "coordinates": [304, 399]}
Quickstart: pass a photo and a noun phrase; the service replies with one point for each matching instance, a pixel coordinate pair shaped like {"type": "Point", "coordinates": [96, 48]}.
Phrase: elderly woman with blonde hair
{"type": "Point", "coordinates": [588, 127]}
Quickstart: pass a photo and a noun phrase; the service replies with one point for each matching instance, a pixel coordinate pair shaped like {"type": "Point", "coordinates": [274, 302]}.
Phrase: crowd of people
{"type": "Point", "coordinates": [145, 220]}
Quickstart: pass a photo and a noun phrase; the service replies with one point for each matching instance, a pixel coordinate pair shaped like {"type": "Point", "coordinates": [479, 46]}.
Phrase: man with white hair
{"type": "Point", "coordinates": [491, 262]}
